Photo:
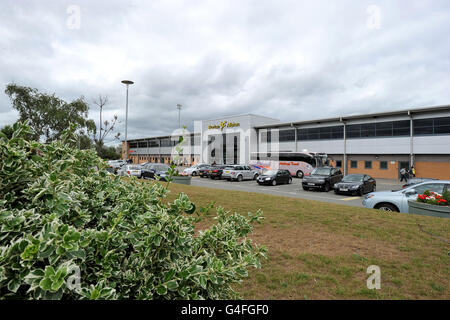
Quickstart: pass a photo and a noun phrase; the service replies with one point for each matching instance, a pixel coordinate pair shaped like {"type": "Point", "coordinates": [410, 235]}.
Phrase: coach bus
{"type": "Point", "coordinates": [297, 163]}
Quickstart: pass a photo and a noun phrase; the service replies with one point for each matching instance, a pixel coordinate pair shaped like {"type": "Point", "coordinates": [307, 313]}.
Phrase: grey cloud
{"type": "Point", "coordinates": [290, 60]}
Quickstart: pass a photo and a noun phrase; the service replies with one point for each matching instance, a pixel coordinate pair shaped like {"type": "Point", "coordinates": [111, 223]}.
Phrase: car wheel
{"type": "Point", "coordinates": [290, 181]}
{"type": "Point", "coordinates": [360, 192]}
{"type": "Point", "coordinates": [374, 188]}
{"type": "Point", "coordinates": [255, 176]}
{"type": "Point", "coordinates": [326, 188]}
{"type": "Point", "coordinates": [194, 173]}
{"type": "Point", "coordinates": [305, 188]}
{"type": "Point", "coordinates": [299, 174]}
{"type": "Point", "coordinates": [239, 178]}
{"type": "Point", "coordinates": [386, 207]}
{"type": "Point", "coordinates": [336, 192]}
{"type": "Point", "coordinates": [274, 182]}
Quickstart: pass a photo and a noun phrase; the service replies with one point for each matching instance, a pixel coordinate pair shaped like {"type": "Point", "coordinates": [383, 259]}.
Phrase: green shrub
{"type": "Point", "coordinates": [62, 215]}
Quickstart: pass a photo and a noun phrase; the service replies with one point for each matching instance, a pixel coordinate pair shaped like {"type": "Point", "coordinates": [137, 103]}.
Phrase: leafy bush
{"type": "Point", "coordinates": [62, 215]}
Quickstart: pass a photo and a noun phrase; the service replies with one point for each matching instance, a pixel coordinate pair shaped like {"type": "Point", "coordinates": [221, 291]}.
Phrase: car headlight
{"type": "Point", "coordinates": [369, 196]}
{"type": "Point", "coordinates": [354, 187]}
{"type": "Point", "coordinates": [267, 179]}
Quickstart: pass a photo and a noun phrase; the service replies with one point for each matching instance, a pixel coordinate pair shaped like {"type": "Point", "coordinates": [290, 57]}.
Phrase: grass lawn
{"type": "Point", "coordinates": [321, 250]}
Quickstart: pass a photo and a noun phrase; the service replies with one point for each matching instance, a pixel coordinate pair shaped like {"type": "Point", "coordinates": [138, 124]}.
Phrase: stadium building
{"type": "Point", "coordinates": [378, 144]}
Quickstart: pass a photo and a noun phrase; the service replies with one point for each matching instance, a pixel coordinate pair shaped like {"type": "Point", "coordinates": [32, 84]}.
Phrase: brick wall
{"type": "Point", "coordinates": [390, 173]}
{"type": "Point", "coordinates": [424, 169]}
{"type": "Point", "coordinates": [428, 169]}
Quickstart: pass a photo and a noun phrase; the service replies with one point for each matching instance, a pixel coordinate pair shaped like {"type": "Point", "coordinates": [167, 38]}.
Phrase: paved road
{"type": "Point", "coordinates": [293, 190]}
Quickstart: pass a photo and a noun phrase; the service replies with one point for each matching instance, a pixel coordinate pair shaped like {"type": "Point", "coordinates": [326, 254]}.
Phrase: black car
{"type": "Point", "coordinates": [356, 184]}
{"type": "Point", "coordinates": [322, 178]}
{"type": "Point", "coordinates": [151, 170]}
{"type": "Point", "coordinates": [215, 172]}
{"type": "Point", "coordinates": [274, 177]}
{"type": "Point", "coordinates": [203, 172]}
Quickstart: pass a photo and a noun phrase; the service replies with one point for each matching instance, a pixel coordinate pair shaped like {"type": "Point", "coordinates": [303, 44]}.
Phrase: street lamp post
{"type": "Point", "coordinates": [127, 83]}
{"type": "Point", "coordinates": [179, 115]}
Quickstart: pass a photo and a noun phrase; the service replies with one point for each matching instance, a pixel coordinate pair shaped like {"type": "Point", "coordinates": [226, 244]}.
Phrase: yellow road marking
{"type": "Point", "coordinates": [351, 198]}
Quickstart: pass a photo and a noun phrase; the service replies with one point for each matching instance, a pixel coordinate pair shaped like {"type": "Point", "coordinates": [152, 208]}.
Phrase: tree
{"type": "Point", "coordinates": [102, 151]}
{"type": "Point", "coordinates": [47, 115]}
{"type": "Point", "coordinates": [109, 125]}
{"type": "Point", "coordinates": [8, 131]}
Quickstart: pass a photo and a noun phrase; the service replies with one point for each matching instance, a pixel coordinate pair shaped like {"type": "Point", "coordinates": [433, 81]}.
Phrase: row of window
{"type": "Point", "coordinates": [365, 130]}
{"type": "Point", "coordinates": [161, 159]}
{"type": "Point", "coordinates": [367, 164]}
{"type": "Point", "coordinates": [166, 142]}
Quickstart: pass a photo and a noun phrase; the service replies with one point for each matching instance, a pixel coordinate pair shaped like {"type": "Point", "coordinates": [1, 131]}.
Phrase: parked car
{"type": "Point", "coordinates": [203, 172]}
{"type": "Point", "coordinates": [193, 171]}
{"type": "Point", "coordinates": [274, 177]}
{"type": "Point", "coordinates": [356, 184]}
{"type": "Point", "coordinates": [153, 170]}
{"type": "Point", "coordinates": [215, 172]}
{"type": "Point", "coordinates": [130, 170]}
{"type": "Point", "coordinates": [239, 173]}
{"type": "Point", "coordinates": [397, 200]}
{"type": "Point", "coordinates": [322, 178]}
{"type": "Point", "coordinates": [116, 164]}
{"type": "Point", "coordinates": [413, 181]}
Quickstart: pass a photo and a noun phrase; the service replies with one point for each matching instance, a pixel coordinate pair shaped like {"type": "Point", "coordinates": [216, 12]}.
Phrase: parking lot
{"type": "Point", "coordinates": [293, 190]}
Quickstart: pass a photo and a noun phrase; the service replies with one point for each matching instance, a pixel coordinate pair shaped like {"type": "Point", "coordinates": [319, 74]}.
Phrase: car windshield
{"type": "Point", "coordinates": [134, 167]}
{"type": "Point", "coordinates": [353, 178]}
{"type": "Point", "coordinates": [161, 168]}
{"type": "Point", "coordinates": [321, 171]}
{"type": "Point", "coordinates": [270, 172]}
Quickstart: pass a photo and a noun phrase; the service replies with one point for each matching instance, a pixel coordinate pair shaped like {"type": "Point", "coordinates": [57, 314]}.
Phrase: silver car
{"type": "Point", "coordinates": [239, 173]}
{"type": "Point", "coordinates": [397, 200]}
{"type": "Point", "coordinates": [130, 170]}
{"type": "Point", "coordinates": [116, 164]}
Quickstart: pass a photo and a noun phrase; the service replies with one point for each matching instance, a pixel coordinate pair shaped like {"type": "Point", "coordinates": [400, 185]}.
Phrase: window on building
{"type": "Point", "coordinates": [353, 131]}
{"type": "Point", "coordinates": [321, 133]}
{"type": "Point", "coordinates": [338, 163]}
{"type": "Point", "coordinates": [353, 164]}
{"type": "Point", "coordinates": [383, 165]}
{"type": "Point", "coordinates": [384, 129]}
{"type": "Point", "coordinates": [153, 143]}
{"type": "Point", "coordinates": [441, 125]}
{"type": "Point", "coordinates": [368, 164]}
{"type": "Point", "coordinates": [133, 145]}
{"type": "Point", "coordinates": [166, 142]}
{"type": "Point", "coordinates": [401, 128]}
{"type": "Point", "coordinates": [287, 135]}
{"type": "Point", "coordinates": [367, 130]}
{"type": "Point", "coordinates": [432, 126]}
{"type": "Point", "coordinates": [380, 129]}
{"type": "Point", "coordinates": [142, 144]}
{"type": "Point", "coordinates": [337, 132]}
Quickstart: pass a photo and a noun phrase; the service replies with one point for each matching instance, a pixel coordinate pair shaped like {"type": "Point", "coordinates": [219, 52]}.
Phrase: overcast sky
{"type": "Point", "coordinates": [291, 60]}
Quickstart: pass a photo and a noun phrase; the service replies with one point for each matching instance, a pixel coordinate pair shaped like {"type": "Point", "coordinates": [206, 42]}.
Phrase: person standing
{"type": "Point", "coordinates": [413, 171]}
{"type": "Point", "coordinates": [403, 175]}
